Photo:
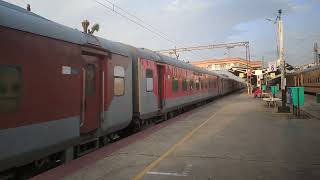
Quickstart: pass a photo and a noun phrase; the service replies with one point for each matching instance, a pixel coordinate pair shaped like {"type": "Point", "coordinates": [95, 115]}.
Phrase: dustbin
{"type": "Point", "coordinates": [264, 87]}
{"type": "Point", "coordinates": [318, 97]}
{"type": "Point", "coordinates": [297, 94]}
{"type": "Point", "coordinates": [274, 90]}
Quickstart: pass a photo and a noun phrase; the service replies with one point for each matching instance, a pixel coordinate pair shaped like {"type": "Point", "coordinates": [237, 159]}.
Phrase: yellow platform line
{"type": "Point", "coordinates": [169, 151]}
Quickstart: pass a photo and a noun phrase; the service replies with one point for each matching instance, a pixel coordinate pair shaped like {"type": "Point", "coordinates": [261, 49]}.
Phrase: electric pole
{"type": "Point", "coordinates": [282, 108]}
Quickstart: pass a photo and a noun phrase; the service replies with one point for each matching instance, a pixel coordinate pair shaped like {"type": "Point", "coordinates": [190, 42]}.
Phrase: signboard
{"type": "Point", "coordinates": [260, 77]}
{"type": "Point", "coordinates": [66, 70]}
{"type": "Point", "coordinates": [258, 72]}
{"type": "Point", "coordinates": [272, 66]}
{"type": "Point", "coordinates": [272, 75]}
{"type": "Point", "coordinates": [259, 83]}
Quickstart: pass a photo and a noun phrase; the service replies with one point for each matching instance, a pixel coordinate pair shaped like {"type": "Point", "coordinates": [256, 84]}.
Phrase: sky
{"type": "Point", "coordinates": [197, 22]}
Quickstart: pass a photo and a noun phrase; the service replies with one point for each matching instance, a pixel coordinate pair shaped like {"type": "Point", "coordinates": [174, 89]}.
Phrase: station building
{"type": "Point", "coordinates": [227, 64]}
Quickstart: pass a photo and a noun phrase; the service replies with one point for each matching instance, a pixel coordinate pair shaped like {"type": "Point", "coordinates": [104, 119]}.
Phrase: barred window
{"type": "Point", "coordinates": [184, 85]}
{"type": "Point", "coordinates": [10, 88]}
{"type": "Point", "coordinates": [149, 79]}
{"type": "Point", "coordinates": [202, 84]}
{"type": "Point", "coordinates": [90, 79]}
{"type": "Point", "coordinates": [191, 84]}
{"type": "Point", "coordinates": [175, 85]}
{"type": "Point", "coordinates": [119, 75]}
{"type": "Point", "coordinates": [197, 85]}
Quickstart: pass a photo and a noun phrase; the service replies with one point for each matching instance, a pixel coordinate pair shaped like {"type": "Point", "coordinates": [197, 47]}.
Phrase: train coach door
{"type": "Point", "coordinates": [160, 70]}
{"type": "Point", "coordinates": [90, 105]}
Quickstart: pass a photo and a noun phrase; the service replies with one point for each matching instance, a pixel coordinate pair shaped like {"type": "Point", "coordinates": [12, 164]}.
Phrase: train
{"type": "Point", "coordinates": [65, 93]}
{"type": "Point", "coordinates": [309, 78]}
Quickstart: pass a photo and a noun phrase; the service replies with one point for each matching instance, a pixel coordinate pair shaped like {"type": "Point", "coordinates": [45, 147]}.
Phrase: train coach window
{"type": "Point", "coordinates": [202, 84]}
{"type": "Point", "coordinates": [197, 85]}
{"type": "Point", "coordinates": [10, 88]}
{"type": "Point", "coordinates": [149, 78]}
{"type": "Point", "coordinates": [191, 83]}
{"type": "Point", "coordinates": [90, 79]}
{"type": "Point", "coordinates": [184, 85]}
{"type": "Point", "coordinates": [175, 85]}
{"type": "Point", "coordinates": [119, 75]}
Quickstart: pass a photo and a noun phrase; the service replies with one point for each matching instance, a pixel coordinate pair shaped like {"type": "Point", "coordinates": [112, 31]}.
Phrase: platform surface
{"type": "Point", "coordinates": [311, 106]}
{"type": "Point", "coordinates": [234, 137]}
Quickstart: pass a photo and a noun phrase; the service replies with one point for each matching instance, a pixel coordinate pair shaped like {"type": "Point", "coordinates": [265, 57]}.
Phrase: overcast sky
{"type": "Point", "coordinates": [198, 22]}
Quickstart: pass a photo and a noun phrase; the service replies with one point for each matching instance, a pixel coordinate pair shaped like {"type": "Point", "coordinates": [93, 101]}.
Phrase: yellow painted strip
{"type": "Point", "coordinates": [169, 151]}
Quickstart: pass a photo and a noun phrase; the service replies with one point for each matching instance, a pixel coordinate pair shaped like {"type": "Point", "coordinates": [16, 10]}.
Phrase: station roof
{"type": "Point", "coordinates": [205, 63]}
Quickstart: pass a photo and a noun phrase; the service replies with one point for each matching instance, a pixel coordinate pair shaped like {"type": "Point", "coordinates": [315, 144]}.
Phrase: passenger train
{"type": "Point", "coordinates": [64, 93]}
{"type": "Point", "coordinates": [309, 78]}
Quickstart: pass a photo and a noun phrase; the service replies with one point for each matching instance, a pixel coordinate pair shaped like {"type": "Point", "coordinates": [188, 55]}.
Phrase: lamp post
{"type": "Point", "coordinates": [282, 108]}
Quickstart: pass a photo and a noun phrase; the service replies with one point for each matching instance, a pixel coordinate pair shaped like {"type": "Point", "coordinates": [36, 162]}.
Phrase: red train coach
{"type": "Point", "coordinates": [309, 78]}
{"type": "Point", "coordinates": [60, 89]}
{"type": "Point", "coordinates": [64, 93]}
{"type": "Point", "coordinates": [163, 85]}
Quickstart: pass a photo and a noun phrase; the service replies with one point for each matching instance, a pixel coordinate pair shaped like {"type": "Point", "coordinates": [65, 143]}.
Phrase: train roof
{"type": "Point", "coordinates": [229, 75]}
{"type": "Point", "coordinates": [315, 67]}
{"type": "Point", "coordinates": [182, 64]}
{"type": "Point", "coordinates": [19, 9]}
{"type": "Point", "coordinates": [18, 18]}
{"type": "Point", "coordinates": [15, 17]}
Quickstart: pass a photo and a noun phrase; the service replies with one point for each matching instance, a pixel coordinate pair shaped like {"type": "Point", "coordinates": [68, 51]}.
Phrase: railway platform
{"type": "Point", "coordinates": [311, 107]}
{"type": "Point", "coordinates": [234, 137]}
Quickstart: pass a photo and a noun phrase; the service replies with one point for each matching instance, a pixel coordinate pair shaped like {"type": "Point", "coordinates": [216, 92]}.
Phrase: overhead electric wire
{"type": "Point", "coordinates": [141, 23]}
{"type": "Point", "coordinates": [137, 18]}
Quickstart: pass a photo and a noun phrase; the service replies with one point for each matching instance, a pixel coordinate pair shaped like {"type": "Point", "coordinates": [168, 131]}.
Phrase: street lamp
{"type": "Point", "coordinates": [284, 108]}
